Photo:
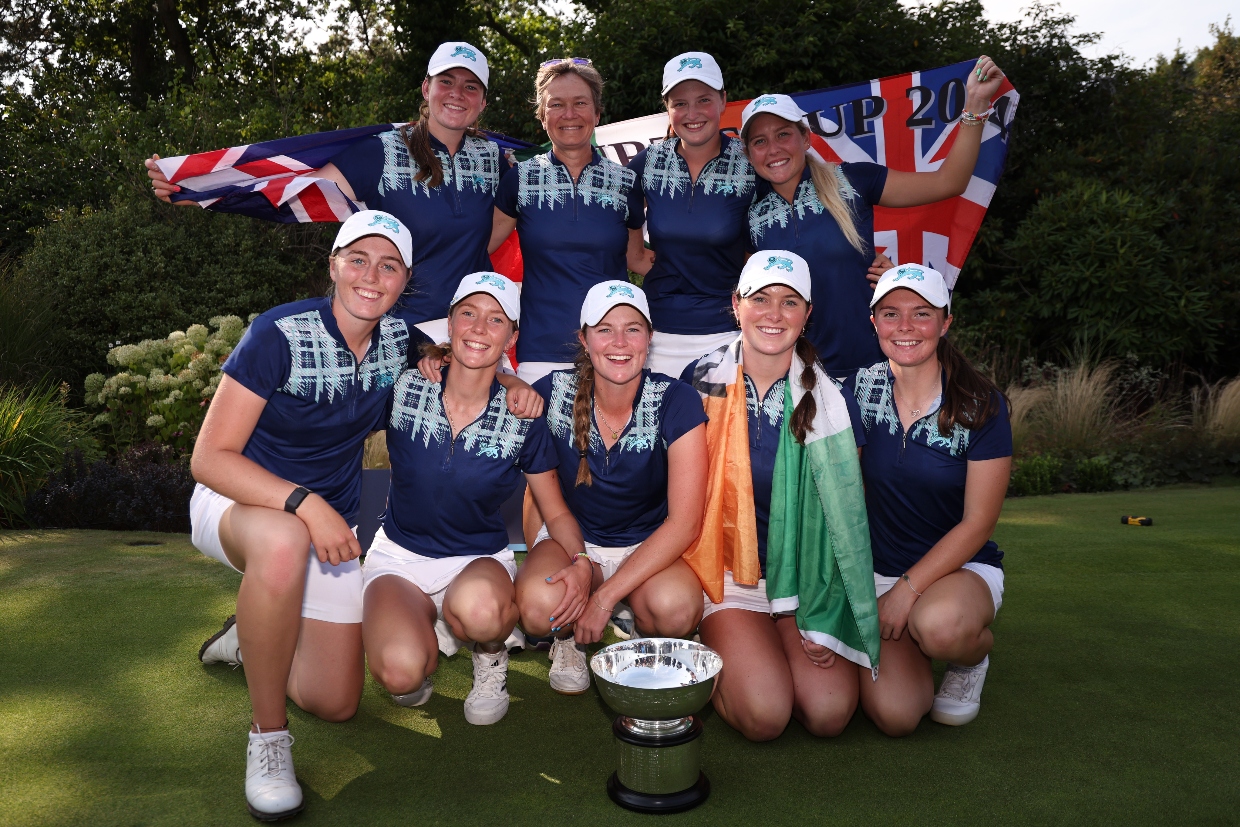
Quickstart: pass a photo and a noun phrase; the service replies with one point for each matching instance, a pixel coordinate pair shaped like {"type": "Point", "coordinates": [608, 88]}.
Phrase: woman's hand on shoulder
{"type": "Point", "coordinates": [333, 540]}
{"type": "Point", "coordinates": [523, 401]}
{"type": "Point", "coordinates": [576, 577]}
{"type": "Point", "coordinates": [430, 367]}
{"type": "Point", "coordinates": [881, 265]}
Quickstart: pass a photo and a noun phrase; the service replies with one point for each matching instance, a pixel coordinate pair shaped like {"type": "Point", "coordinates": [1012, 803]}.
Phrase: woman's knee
{"type": "Point", "coordinates": [941, 630]}
{"type": "Point", "coordinates": [281, 565]}
{"type": "Point", "coordinates": [332, 710]}
{"type": "Point", "coordinates": [827, 717]}
{"type": "Point", "coordinates": [536, 601]}
{"type": "Point", "coordinates": [895, 719]}
{"type": "Point", "coordinates": [671, 612]}
{"type": "Point", "coordinates": [402, 670]}
{"type": "Point", "coordinates": [757, 718]}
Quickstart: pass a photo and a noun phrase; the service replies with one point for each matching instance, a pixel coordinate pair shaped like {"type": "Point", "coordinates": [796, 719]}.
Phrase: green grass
{"type": "Point", "coordinates": [1112, 699]}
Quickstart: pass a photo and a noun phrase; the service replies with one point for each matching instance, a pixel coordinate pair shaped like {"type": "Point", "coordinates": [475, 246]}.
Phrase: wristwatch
{"type": "Point", "coordinates": [295, 499]}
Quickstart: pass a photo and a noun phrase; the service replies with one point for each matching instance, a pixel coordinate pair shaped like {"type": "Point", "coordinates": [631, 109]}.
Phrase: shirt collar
{"type": "Point", "coordinates": [333, 329]}
{"type": "Point", "coordinates": [723, 149]}
{"type": "Point", "coordinates": [595, 157]}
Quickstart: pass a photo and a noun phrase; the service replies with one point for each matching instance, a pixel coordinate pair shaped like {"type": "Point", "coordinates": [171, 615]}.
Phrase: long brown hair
{"type": "Point", "coordinates": [417, 138]}
{"type": "Point", "coordinates": [969, 398]}
{"type": "Point", "coordinates": [806, 409]}
{"type": "Point", "coordinates": [581, 413]}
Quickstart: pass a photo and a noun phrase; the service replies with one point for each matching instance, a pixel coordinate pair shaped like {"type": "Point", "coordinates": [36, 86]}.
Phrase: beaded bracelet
{"type": "Point", "coordinates": [968, 118]}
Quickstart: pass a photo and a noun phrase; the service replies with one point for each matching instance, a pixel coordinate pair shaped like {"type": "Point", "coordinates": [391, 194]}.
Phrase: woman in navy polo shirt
{"type": "Point", "coordinates": [697, 186]}
{"type": "Point", "coordinates": [278, 465]}
{"type": "Point", "coordinates": [825, 213]}
{"type": "Point", "coordinates": [574, 211]}
{"type": "Point", "coordinates": [774, 673]}
{"type": "Point", "coordinates": [439, 571]}
{"type": "Point", "coordinates": [936, 464]}
{"type": "Point", "coordinates": [631, 447]}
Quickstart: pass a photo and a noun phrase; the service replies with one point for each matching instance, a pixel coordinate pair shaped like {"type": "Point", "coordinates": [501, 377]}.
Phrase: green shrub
{"type": "Point", "coordinates": [1035, 475]}
{"type": "Point", "coordinates": [27, 331]}
{"type": "Point", "coordinates": [138, 269]}
{"type": "Point", "coordinates": [1095, 474]}
{"type": "Point", "coordinates": [164, 387]}
{"type": "Point", "coordinates": [35, 429]}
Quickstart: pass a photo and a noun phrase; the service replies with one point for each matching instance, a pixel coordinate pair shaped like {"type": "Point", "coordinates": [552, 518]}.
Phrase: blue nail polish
{"type": "Point", "coordinates": [548, 579]}
{"type": "Point", "coordinates": [551, 620]}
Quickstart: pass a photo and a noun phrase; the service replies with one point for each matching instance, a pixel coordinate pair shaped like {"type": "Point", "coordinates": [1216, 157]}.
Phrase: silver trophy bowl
{"type": "Point", "coordinates": [656, 685]}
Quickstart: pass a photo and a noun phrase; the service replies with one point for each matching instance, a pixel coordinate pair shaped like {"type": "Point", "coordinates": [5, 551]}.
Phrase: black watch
{"type": "Point", "coordinates": [295, 499]}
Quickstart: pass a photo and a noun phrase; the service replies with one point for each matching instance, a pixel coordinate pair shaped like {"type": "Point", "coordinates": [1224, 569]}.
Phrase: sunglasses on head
{"type": "Point", "coordinates": [580, 61]}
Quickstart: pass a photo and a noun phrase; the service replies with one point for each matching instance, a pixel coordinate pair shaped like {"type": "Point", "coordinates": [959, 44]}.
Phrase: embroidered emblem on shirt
{"type": "Point", "coordinates": [667, 173]}
{"type": "Point", "coordinates": [417, 409]}
{"type": "Point", "coordinates": [773, 209]}
{"type": "Point", "coordinates": [321, 365]}
{"type": "Point", "coordinates": [690, 63]}
{"type": "Point", "coordinates": [545, 184]}
{"type": "Point", "coordinates": [474, 167]}
{"type": "Point", "coordinates": [874, 398]}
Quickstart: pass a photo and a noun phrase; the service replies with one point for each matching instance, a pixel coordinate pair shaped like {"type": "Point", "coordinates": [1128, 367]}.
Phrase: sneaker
{"type": "Point", "coordinates": [622, 624]}
{"type": "Point", "coordinates": [418, 696]}
{"type": "Point", "coordinates": [222, 647]}
{"type": "Point", "coordinates": [487, 702]}
{"type": "Point", "coordinates": [569, 673]}
{"type": "Point", "coordinates": [960, 694]}
{"type": "Point", "coordinates": [541, 644]}
{"type": "Point", "coordinates": [271, 789]}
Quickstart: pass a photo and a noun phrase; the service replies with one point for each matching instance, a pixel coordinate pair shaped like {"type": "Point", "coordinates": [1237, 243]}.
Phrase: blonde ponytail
{"type": "Point", "coordinates": [829, 184]}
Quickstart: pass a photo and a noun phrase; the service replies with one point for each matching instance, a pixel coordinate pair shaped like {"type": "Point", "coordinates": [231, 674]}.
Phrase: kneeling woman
{"type": "Point", "coordinates": [303, 388]}
{"type": "Point", "coordinates": [439, 572]}
{"type": "Point", "coordinates": [936, 464]}
{"type": "Point", "coordinates": [632, 468]}
{"type": "Point", "coordinates": [785, 527]}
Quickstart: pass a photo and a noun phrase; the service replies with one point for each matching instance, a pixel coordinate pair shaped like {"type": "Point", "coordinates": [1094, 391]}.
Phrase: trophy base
{"type": "Point", "coordinates": [658, 803]}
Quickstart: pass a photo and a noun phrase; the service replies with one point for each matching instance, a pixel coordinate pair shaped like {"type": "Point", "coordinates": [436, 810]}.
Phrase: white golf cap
{"type": "Point", "coordinates": [606, 295]}
{"type": "Point", "coordinates": [925, 282]}
{"type": "Point", "coordinates": [781, 105]}
{"type": "Point", "coordinates": [692, 66]}
{"type": "Point", "coordinates": [376, 222]}
{"type": "Point", "coordinates": [459, 53]}
{"type": "Point", "coordinates": [768, 267]}
{"type": "Point", "coordinates": [505, 291]}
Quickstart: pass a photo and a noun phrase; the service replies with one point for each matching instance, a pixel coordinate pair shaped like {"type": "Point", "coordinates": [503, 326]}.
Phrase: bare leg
{"type": "Point", "coordinates": [824, 700]}
{"type": "Point", "coordinates": [904, 691]}
{"type": "Point", "coordinates": [531, 518]}
{"type": "Point", "coordinates": [951, 621]}
{"type": "Point", "coordinates": [481, 604]}
{"type": "Point", "coordinates": [537, 598]}
{"type": "Point", "coordinates": [755, 690]}
{"type": "Point", "coordinates": [668, 604]}
{"type": "Point", "coordinates": [328, 669]}
{"type": "Point", "coordinates": [398, 627]}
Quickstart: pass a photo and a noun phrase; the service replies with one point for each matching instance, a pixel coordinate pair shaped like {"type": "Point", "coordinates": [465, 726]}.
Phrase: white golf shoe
{"type": "Point", "coordinates": [960, 695]}
{"type": "Point", "coordinates": [223, 646]}
{"type": "Point", "coordinates": [487, 702]}
{"type": "Point", "coordinates": [271, 789]}
{"type": "Point", "coordinates": [569, 674]}
{"type": "Point", "coordinates": [418, 696]}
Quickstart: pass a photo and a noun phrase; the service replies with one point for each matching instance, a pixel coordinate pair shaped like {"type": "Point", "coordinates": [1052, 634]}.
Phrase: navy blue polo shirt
{"type": "Point", "coordinates": [914, 482]}
{"type": "Point", "coordinates": [446, 493]}
{"type": "Point", "coordinates": [766, 423]}
{"type": "Point", "coordinates": [574, 234]}
{"type": "Point", "coordinates": [451, 224]}
{"type": "Point", "coordinates": [699, 231]}
{"type": "Point", "coordinates": [628, 498]}
{"type": "Point", "coordinates": [321, 403]}
{"type": "Point", "coordinates": [839, 328]}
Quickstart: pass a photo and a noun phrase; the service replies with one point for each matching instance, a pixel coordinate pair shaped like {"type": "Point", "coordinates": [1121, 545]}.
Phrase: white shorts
{"type": "Point", "coordinates": [437, 330]}
{"type": "Point", "coordinates": [738, 596]}
{"type": "Point", "coordinates": [670, 353]}
{"type": "Point", "coordinates": [531, 372]}
{"type": "Point", "coordinates": [993, 575]}
{"type": "Point", "coordinates": [432, 575]}
{"type": "Point", "coordinates": [333, 593]}
{"type": "Point", "coordinates": [609, 558]}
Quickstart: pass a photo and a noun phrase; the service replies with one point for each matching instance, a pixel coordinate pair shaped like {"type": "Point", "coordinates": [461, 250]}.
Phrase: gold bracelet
{"type": "Point", "coordinates": [594, 597]}
{"type": "Point", "coordinates": [904, 577]}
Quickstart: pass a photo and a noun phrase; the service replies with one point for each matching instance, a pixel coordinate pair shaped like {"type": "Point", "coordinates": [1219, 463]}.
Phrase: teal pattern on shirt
{"type": "Point", "coordinates": [544, 184]}
{"type": "Point", "coordinates": [876, 401]}
{"type": "Point", "coordinates": [475, 166]}
{"type": "Point", "coordinates": [772, 405]}
{"type": "Point", "coordinates": [319, 364]}
{"type": "Point", "coordinates": [417, 410]}
{"type": "Point", "coordinates": [773, 209]}
{"type": "Point", "coordinates": [643, 435]}
{"type": "Point", "coordinates": [728, 174]}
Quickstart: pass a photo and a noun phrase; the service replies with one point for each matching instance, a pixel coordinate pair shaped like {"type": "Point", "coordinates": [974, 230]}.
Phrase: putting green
{"type": "Point", "coordinates": [1111, 698]}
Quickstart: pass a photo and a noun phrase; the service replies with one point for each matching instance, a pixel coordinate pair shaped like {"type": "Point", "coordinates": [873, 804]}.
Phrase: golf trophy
{"type": "Point", "coordinates": [656, 685]}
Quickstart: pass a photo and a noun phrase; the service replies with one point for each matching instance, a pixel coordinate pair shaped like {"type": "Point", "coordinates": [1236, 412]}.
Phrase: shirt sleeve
{"type": "Point", "coordinates": [538, 451]}
{"type": "Point", "coordinates": [362, 166]}
{"type": "Point", "coordinates": [261, 359]}
{"type": "Point", "coordinates": [682, 412]}
{"type": "Point", "coordinates": [994, 439]}
{"type": "Point", "coordinates": [854, 410]}
{"type": "Point", "coordinates": [506, 193]}
{"type": "Point", "coordinates": [867, 179]}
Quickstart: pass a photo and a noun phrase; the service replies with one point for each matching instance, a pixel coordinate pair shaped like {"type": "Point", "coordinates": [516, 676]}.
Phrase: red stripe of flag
{"type": "Point", "coordinates": [264, 167]}
{"type": "Point", "coordinates": [315, 204]}
{"type": "Point", "coordinates": [200, 163]}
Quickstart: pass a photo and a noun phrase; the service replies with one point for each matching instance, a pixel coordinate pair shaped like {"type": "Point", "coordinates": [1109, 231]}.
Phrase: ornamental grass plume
{"type": "Point", "coordinates": [1024, 406]}
{"type": "Point", "coordinates": [376, 452]}
{"type": "Point", "coordinates": [1079, 415]}
{"type": "Point", "coordinates": [1217, 411]}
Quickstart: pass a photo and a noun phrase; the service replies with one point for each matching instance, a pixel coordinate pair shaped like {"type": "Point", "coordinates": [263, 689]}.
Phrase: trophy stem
{"type": "Point", "coordinates": [659, 773]}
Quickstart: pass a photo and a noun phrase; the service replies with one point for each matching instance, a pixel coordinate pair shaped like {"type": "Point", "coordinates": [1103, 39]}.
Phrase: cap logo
{"type": "Point", "coordinates": [779, 263]}
{"type": "Point", "coordinates": [487, 278]}
{"type": "Point", "coordinates": [690, 63]}
{"type": "Point", "coordinates": [619, 290]}
{"type": "Point", "coordinates": [468, 54]}
{"type": "Point", "coordinates": [912, 273]}
{"type": "Point", "coordinates": [388, 223]}
{"type": "Point", "coordinates": [765, 100]}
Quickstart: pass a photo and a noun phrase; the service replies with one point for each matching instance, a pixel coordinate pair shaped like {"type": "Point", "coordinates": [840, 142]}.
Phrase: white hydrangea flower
{"type": "Point", "coordinates": [155, 421]}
